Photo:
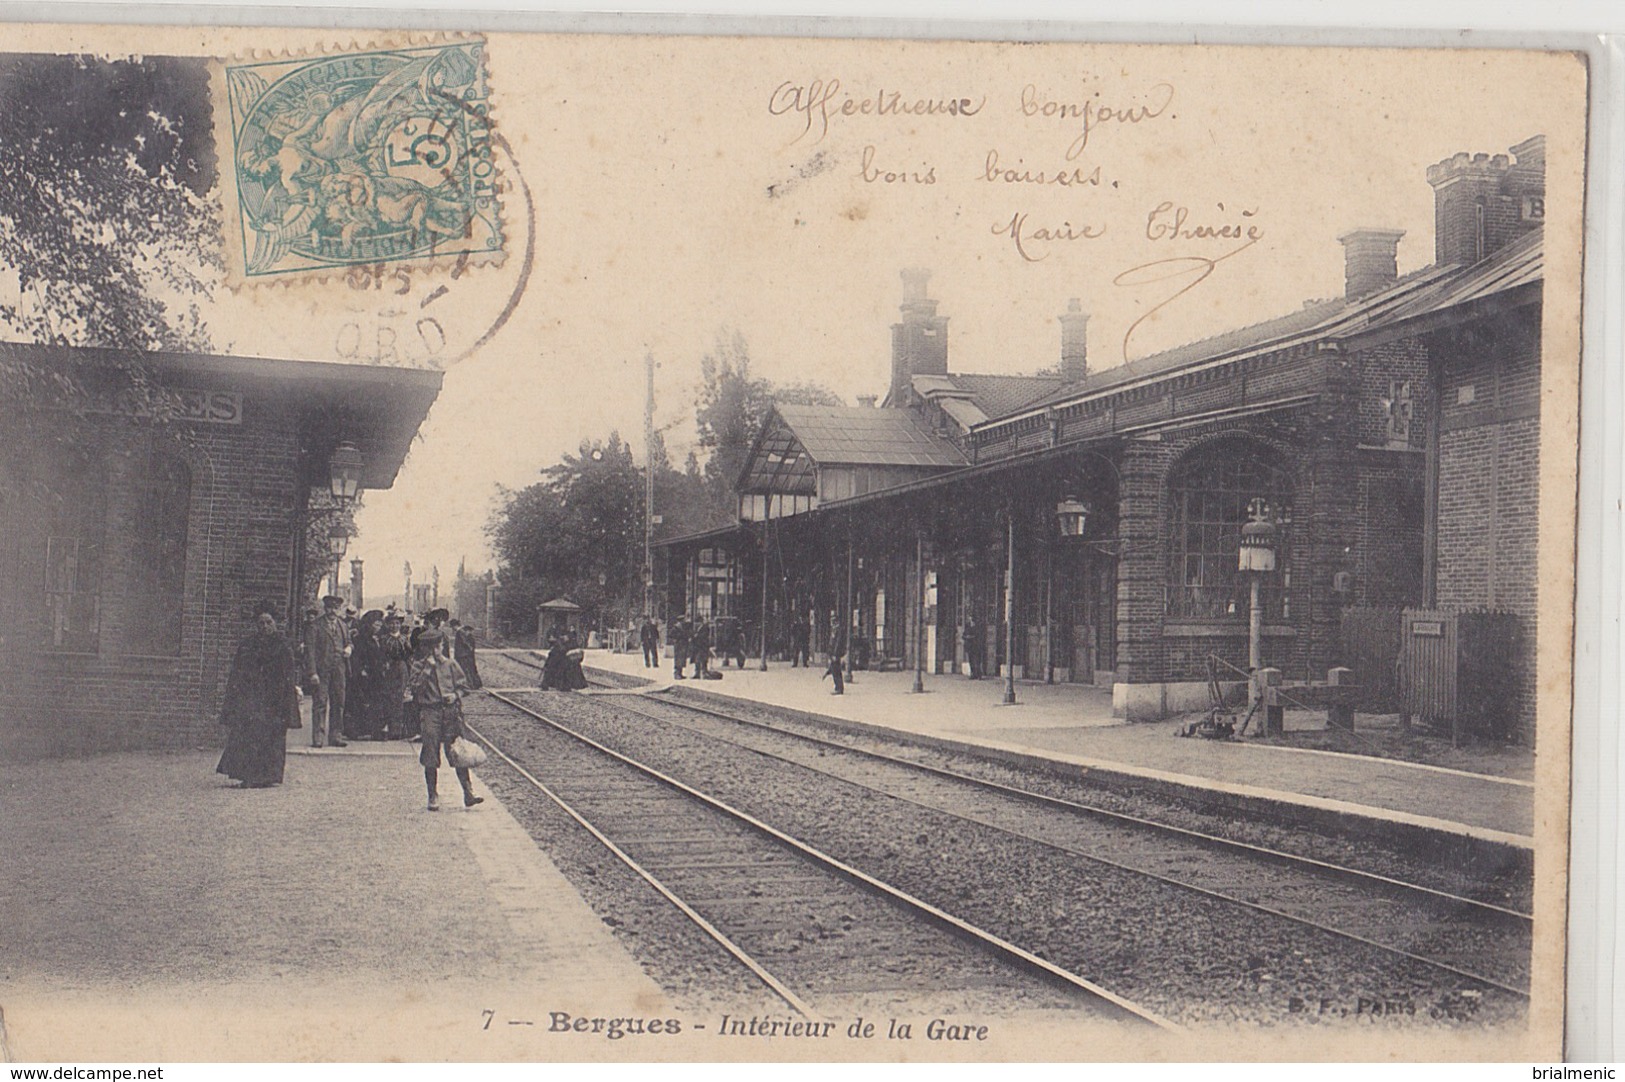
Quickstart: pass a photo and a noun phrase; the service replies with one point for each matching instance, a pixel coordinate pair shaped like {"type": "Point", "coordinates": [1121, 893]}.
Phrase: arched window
{"type": "Point", "coordinates": [75, 525]}
{"type": "Point", "coordinates": [1208, 493]}
{"type": "Point", "coordinates": [156, 586]}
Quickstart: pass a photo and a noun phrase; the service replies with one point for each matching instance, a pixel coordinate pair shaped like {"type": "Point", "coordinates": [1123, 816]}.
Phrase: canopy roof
{"type": "Point", "coordinates": [376, 407]}
{"type": "Point", "coordinates": [1439, 293]}
{"type": "Point", "coordinates": [796, 439]}
{"type": "Point", "coordinates": [559, 604]}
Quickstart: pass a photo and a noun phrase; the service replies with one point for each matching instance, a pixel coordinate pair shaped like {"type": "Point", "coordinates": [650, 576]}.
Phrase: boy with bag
{"type": "Point", "coordinates": [437, 684]}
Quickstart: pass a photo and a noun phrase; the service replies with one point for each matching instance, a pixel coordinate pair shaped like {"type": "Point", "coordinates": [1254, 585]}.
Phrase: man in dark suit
{"type": "Point", "coordinates": [681, 630]}
{"type": "Point", "coordinates": [800, 640]}
{"type": "Point", "coordinates": [975, 646]}
{"type": "Point", "coordinates": [327, 670]}
{"type": "Point", "coordinates": [649, 638]}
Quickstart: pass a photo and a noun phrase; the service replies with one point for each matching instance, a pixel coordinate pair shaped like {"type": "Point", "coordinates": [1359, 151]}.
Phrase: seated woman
{"type": "Point", "coordinates": [562, 669]}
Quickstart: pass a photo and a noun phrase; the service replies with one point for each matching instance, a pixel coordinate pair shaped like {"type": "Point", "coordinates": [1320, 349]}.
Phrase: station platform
{"type": "Point", "coordinates": [154, 913]}
{"type": "Point", "coordinates": [1072, 727]}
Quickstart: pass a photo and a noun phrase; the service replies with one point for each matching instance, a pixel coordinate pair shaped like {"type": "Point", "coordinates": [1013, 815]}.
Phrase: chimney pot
{"type": "Point", "coordinates": [919, 339]}
{"type": "Point", "coordinates": [915, 280]}
{"type": "Point", "coordinates": [1370, 261]}
{"type": "Point", "coordinates": [1074, 342]}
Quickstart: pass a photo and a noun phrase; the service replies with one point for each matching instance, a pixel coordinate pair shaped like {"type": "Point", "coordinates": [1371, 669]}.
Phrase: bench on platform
{"type": "Point", "coordinates": [1337, 693]}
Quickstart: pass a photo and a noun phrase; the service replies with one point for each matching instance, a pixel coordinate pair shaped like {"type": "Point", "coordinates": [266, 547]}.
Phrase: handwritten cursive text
{"type": "Point", "coordinates": [1169, 222]}
{"type": "Point", "coordinates": [1092, 113]}
{"type": "Point", "coordinates": [994, 171]}
{"type": "Point", "coordinates": [872, 173]}
{"type": "Point", "coordinates": [819, 102]}
{"type": "Point", "coordinates": [1030, 242]}
{"type": "Point", "coordinates": [1196, 268]}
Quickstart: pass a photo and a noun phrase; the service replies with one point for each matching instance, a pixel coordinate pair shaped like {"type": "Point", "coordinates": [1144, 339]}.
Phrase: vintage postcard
{"type": "Point", "coordinates": [521, 546]}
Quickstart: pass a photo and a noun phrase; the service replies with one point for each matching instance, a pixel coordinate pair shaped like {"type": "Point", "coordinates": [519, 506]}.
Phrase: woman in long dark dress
{"type": "Point", "coordinates": [393, 693]}
{"type": "Point", "coordinates": [366, 720]}
{"type": "Point", "coordinates": [262, 703]}
{"type": "Point", "coordinates": [463, 653]}
{"type": "Point", "coordinates": [562, 669]}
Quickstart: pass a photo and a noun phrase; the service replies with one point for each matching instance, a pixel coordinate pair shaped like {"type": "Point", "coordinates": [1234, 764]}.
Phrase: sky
{"type": "Point", "coordinates": [662, 191]}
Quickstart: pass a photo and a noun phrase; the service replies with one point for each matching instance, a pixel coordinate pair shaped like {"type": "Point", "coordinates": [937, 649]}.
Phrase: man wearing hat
{"type": "Point", "coordinates": [438, 684]}
{"type": "Point", "coordinates": [327, 665]}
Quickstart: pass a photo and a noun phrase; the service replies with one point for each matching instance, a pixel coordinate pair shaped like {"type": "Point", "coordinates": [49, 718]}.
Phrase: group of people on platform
{"type": "Point", "coordinates": [696, 642]}
{"type": "Point", "coordinates": [357, 670]}
{"type": "Point", "coordinates": [385, 675]}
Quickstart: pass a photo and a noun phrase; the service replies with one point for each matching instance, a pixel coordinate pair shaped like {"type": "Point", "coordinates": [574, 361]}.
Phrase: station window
{"type": "Point", "coordinates": [156, 586]}
{"type": "Point", "coordinates": [715, 583]}
{"type": "Point", "coordinates": [71, 576]}
{"type": "Point", "coordinates": [1209, 493]}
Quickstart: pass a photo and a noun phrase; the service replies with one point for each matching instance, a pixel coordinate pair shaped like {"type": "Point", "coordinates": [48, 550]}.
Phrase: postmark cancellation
{"type": "Point", "coordinates": [359, 157]}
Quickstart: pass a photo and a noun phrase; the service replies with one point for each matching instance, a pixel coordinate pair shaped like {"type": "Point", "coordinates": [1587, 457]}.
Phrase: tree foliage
{"type": "Point", "coordinates": [468, 597]}
{"type": "Point", "coordinates": [105, 220]}
{"type": "Point", "coordinates": [733, 404]}
{"type": "Point", "coordinates": [578, 533]}
{"type": "Point", "coordinates": [107, 235]}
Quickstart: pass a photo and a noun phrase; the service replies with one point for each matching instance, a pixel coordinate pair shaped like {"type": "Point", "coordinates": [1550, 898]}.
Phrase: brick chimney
{"type": "Point", "coordinates": [1481, 203]}
{"type": "Point", "coordinates": [1074, 342]}
{"type": "Point", "coordinates": [919, 343]}
{"type": "Point", "coordinates": [1370, 261]}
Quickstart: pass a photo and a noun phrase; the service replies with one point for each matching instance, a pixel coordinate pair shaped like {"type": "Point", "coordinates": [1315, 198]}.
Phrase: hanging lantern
{"type": "Point", "coordinates": [1073, 515]}
{"type": "Point", "coordinates": [338, 539]}
{"type": "Point", "coordinates": [1257, 551]}
{"type": "Point", "coordinates": [344, 471]}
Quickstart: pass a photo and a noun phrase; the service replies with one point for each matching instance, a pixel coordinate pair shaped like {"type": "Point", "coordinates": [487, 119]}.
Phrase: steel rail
{"type": "Point", "coordinates": [999, 946]}
{"type": "Point", "coordinates": [772, 982]}
{"type": "Point", "coordinates": [1214, 841]}
{"type": "Point", "coordinates": [1059, 847]}
{"type": "Point", "coordinates": [1210, 840]}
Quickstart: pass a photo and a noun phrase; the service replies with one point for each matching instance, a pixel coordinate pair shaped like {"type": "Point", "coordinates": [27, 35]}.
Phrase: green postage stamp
{"type": "Point", "coordinates": [359, 158]}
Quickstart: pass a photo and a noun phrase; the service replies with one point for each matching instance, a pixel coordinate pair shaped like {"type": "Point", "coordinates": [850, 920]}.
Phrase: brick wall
{"type": "Point", "coordinates": [1387, 559]}
{"type": "Point", "coordinates": [1489, 480]}
{"type": "Point", "coordinates": [1314, 443]}
{"type": "Point", "coordinates": [244, 502]}
{"type": "Point", "coordinates": [1380, 368]}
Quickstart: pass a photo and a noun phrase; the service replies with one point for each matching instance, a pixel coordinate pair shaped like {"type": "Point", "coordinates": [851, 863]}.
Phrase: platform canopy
{"type": "Point", "coordinates": [376, 408]}
{"type": "Point", "coordinates": [559, 604]}
{"type": "Point", "coordinates": [805, 455]}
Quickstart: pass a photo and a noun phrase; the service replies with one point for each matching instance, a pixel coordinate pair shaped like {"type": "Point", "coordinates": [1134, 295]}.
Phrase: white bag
{"type": "Point", "coordinates": [464, 754]}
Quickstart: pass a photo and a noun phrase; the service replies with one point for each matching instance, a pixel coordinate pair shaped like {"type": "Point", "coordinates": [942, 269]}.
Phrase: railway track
{"type": "Point", "coordinates": [818, 934]}
{"type": "Point", "coordinates": [1471, 947]}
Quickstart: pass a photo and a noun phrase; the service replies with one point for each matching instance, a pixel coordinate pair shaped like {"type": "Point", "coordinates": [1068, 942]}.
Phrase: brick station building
{"type": "Point", "coordinates": [1391, 431]}
{"type": "Point", "coordinates": [130, 566]}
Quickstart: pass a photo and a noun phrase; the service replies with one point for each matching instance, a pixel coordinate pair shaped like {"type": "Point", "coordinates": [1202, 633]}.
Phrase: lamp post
{"type": "Point", "coordinates": [1010, 607]}
{"type": "Point", "coordinates": [338, 539]}
{"type": "Point", "coordinates": [919, 614]}
{"type": "Point", "coordinates": [344, 472]}
{"type": "Point", "coordinates": [1256, 557]}
{"type": "Point", "coordinates": [764, 596]}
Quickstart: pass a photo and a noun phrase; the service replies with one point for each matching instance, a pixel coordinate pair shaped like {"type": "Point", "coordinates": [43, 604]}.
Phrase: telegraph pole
{"type": "Point", "coordinates": [648, 485]}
